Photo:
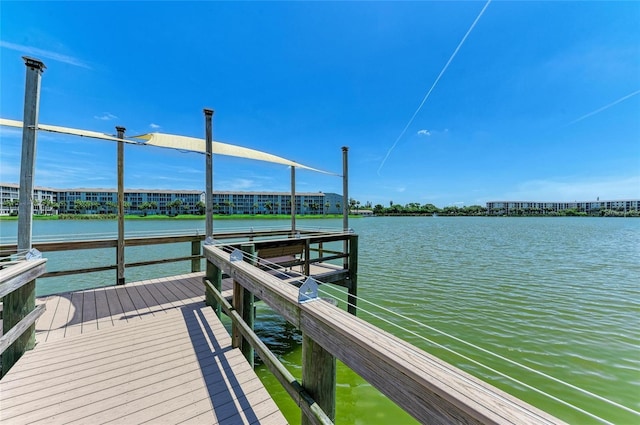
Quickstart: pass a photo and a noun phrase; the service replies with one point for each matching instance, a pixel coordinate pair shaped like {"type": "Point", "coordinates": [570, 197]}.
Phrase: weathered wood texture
{"type": "Point", "coordinates": [163, 357]}
{"type": "Point", "coordinates": [301, 398]}
{"type": "Point", "coordinates": [429, 389]}
{"type": "Point", "coordinates": [18, 289]}
{"type": "Point", "coordinates": [319, 377]}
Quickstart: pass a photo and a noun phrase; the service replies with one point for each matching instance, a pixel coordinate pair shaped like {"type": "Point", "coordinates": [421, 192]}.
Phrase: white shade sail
{"type": "Point", "coordinates": [173, 142]}
{"type": "Point", "coordinates": [66, 130]}
{"type": "Point", "coordinates": [198, 145]}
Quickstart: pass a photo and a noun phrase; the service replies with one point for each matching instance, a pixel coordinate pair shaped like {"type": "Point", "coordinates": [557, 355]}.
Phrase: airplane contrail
{"type": "Point", "coordinates": [605, 107]}
{"type": "Point", "coordinates": [455, 52]}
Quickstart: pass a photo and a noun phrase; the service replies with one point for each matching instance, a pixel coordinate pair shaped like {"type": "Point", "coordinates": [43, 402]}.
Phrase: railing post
{"type": "Point", "coordinates": [352, 298]}
{"type": "Point", "coordinates": [16, 305]}
{"type": "Point", "coordinates": [345, 197]}
{"type": "Point", "coordinates": [248, 310]}
{"type": "Point", "coordinates": [307, 257]}
{"type": "Point", "coordinates": [214, 275]}
{"type": "Point", "coordinates": [120, 279]}
{"type": "Point", "coordinates": [238, 304]}
{"type": "Point", "coordinates": [319, 377]}
{"type": "Point", "coordinates": [292, 200]}
{"type": "Point", "coordinates": [28, 156]}
{"type": "Point", "coordinates": [195, 250]}
{"type": "Point", "coordinates": [208, 195]}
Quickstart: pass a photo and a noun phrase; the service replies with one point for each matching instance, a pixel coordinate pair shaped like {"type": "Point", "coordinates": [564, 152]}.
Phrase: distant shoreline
{"type": "Point", "coordinates": [177, 217]}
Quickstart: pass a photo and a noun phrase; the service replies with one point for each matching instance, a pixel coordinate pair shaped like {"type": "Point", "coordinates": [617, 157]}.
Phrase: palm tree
{"type": "Point", "coordinates": [11, 203]}
{"type": "Point", "coordinates": [201, 207]}
{"type": "Point", "coordinates": [47, 204]}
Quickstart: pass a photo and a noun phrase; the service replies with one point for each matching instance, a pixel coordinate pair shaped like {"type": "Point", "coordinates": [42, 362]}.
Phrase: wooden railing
{"type": "Point", "coordinates": [429, 389]}
{"type": "Point", "coordinates": [308, 244]}
{"type": "Point", "coordinates": [19, 313]}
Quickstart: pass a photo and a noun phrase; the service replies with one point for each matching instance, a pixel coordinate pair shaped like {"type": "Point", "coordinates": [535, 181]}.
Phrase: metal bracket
{"type": "Point", "coordinates": [308, 291]}
{"type": "Point", "coordinates": [209, 241]}
{"type": "Point", "coordinates": [33, 254]}
{"type": "Point", "coordinates": [236, 255]}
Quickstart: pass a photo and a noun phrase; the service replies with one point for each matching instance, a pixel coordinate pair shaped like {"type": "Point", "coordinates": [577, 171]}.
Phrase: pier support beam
{"type": "Point", "coordinates": [213, 275]}
{"type": "Point", "coordinates": [248, 310]}
{"type": "Point", "coordinates": [345, 198]}
{"type": "Point", "coordinates": [22, 301]}
{"type": "Point", "coordinates": [293, 202]}
{"type": "Point", "coordinates": [352, 298]}
{"type": "Point", "coordinates": [208, 194]}
{"type": "Point", "coordinates": [28, 158]}
{"type": "Point", "coordinates": [120, 247]}
{"type": "Point", "coordinates": [243, 302]}
{"type": "Point", "coordinates": [319, 377]}
{"type": "Point", "coordinates": [195, 250]}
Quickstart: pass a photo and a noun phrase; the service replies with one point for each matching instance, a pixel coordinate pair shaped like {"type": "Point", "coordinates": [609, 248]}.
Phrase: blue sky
{"type": "Point", "coordinates": [540, 102]}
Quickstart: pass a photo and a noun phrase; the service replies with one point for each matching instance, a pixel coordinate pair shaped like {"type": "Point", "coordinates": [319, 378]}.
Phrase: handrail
{"type": "Point", "coordinates": [429, 389]}
{"type": "Point", "coordinates": [19, 313]}
{"type": "Point", "coordinates": [259, 237]}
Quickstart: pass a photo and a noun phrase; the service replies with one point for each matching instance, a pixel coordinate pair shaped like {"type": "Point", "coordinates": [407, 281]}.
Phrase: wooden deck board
{"type": "Point", "coordinates": [127, 365]}
{"type": "Point", "coordinates": [102, 309]}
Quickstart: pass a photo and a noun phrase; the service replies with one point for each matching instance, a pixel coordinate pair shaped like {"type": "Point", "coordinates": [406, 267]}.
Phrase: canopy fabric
{"type": "Point", "coordinates": [174, 142]}
{"type": "Point", "coordinates": [66, 130]}
{"type": "Point", "coordinates": [219, 148]}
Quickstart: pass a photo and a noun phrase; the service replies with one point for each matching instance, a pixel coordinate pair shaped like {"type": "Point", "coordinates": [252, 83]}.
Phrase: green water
{"type": "Point", "coordinates": [558, 295]}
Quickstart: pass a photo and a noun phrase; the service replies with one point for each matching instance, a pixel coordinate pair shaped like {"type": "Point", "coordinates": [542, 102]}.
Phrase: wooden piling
{"type": "Point", "coordinates": [248, 308]}
{"type": "Point", "coordinates": [120, 279]}
{"type": "Point", "coordinates": [318, 377]}
{"type": "Point", "coordinates": [18, 294]}
{"type": "Point", "coordinates": [292, 200]}
{"type": "Point", "coordinates": [195, 250]}
{"type": "Point", "coordinates": [214, 275]}
{"type": "Point", "coordinates": [352, 297]}
{"type": "Point", "coordinates": [345, 198]}
{"type": "Point", "coordinates": [208, 195]}
{"type": "Point", "coordinates": [28, 158]}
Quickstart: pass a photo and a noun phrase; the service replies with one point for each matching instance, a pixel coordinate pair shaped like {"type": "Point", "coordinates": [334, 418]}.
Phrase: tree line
{"type": "Point", "coordinates": [417, 209]}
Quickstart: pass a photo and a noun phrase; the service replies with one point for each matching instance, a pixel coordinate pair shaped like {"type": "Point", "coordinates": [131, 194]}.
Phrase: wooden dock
{"type": "Point", "coordinates": [148, 351]}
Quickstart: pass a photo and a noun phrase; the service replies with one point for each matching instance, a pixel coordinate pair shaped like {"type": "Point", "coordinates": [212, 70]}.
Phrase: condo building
{"type": "Point", "coordinates": [146, 201]}
{"type": "Point", "coordinates": [545, 208]}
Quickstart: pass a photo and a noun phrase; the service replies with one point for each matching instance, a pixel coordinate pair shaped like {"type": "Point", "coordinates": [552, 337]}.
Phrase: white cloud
{"type": "Point", "coordinates": [154, 126]}
{"type": "Point", "coordinates": [41, 53]}
{"type": "Point", "coordinates": [106, 116]}
{"type": "Point", "coordinates": [424, 133]}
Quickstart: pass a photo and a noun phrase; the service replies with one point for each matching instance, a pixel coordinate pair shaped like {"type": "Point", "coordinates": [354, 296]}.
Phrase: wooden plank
{"type": "Point", "coordinates": [14, 277]}
{"type": "Point", "coordinates": [72, 355]}
{"type": "Point", "coordinates": [102, 308]}
{"type": "Point", "coordinates": [74, 319]}
{"type": "Point", "coordinates": [118, 316]}
{"type": "Point", "coordinates": [44, 322]}
{"type": "Point", "coordinates": [149, 297]}
{"type": "Point", "coordinates": [89, 312]}
{"type": "Point", "coordinates": [128, 308]}
{"type": "Point", "coordinates": [138, 301]}
{"type": "Point", "coordinates": [20, 328]}
{"type": "Point", "coordinates": [68, 355]}
{"type": "Point", "coordinates": [163, 289]}
{"type": "Point", "coordinates": [209, 389]}
{"type": "Point", "coordinates": [59, 321]}
{"type": "Point", "coordinates": [172, 374]}
{"type": "Point", "coordinates": [110, 369]}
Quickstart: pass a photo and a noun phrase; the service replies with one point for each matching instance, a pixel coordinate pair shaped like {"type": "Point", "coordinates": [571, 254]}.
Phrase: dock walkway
{"type": "Point", "coordinates": [148, 351]}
